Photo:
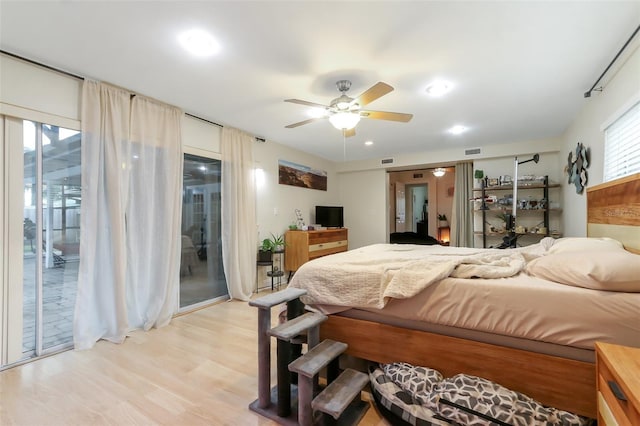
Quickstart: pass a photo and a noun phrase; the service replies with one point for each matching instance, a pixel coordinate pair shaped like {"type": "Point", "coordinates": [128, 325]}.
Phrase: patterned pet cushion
{"type": "Point", "coordinates": [471, 400]}
{"type": "Point", "coordinates": [400, 403]}
{"type": "Point", "coordinates": [417, 381]}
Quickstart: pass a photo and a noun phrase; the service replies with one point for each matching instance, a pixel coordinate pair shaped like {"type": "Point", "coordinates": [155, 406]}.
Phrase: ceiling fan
{"type": "Point", "coordinates": [344, 112]}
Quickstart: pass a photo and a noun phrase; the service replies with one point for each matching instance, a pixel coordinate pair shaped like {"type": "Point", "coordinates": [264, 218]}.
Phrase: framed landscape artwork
{"type": "Point", "coordinates": [298, 175]}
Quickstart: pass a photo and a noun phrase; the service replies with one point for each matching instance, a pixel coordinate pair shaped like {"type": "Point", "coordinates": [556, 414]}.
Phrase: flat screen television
{"type": "Point", "coordinates": [330, 216]}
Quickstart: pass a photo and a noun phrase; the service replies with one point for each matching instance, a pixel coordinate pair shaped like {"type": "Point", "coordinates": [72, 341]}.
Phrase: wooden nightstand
{"type": "Point", "coordinates": [618, 383]}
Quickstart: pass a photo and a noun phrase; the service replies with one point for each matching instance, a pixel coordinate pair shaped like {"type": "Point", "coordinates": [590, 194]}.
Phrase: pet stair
{"type": "Point", "coordinates": [337, 396]}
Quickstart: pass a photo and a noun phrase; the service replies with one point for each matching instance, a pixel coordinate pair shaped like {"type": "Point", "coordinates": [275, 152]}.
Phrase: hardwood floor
{"type": "Point", "coordinates": [200, 369]}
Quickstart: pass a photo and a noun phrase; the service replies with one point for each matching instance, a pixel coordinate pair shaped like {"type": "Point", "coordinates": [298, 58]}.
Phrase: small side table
{"type": "Point", "coordinates": [259, 263]}
{"type": "Point", "coordinates": [276, 273]}
{"type": "Point", "coordinates": [618, 384]}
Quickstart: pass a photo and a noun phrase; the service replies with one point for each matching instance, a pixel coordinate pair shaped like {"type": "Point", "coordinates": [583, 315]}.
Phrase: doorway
{"type": "Point", "coordinates": [418, 204]}
{"type": "Point", "coordinates": [417, 198]}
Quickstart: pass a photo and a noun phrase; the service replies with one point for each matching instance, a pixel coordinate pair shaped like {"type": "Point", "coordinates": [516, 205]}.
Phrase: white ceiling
{"type": "Point", "coordinates": [519, 69]}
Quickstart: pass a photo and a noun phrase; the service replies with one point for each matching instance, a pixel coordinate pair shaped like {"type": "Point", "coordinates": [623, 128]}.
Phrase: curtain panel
{"type": "Point", "coordinates": [238, 204]}
{"type": "Point", "coordinates": [462, 215]}
{"type": "Point", "coordinates": [130, 215]}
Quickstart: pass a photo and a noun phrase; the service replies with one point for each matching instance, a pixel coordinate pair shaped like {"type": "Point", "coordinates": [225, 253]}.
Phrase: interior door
{"type": "Point", "coordinates": [417, 205]}
{"type": "Point", "coordinates": [400, 203]}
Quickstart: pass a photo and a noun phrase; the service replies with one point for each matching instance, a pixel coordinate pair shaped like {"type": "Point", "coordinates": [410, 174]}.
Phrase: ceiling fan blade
{"type": "Point", "coordinates": [307, 103]}
{"type": "Point", "coordinates": [300, 123]}
{"type": "Point", "coordinates": [349, 133]}
{"type": "Point", "coordinates": [384, 115]}
{"type": "Point", "coordinates": [374, 92]}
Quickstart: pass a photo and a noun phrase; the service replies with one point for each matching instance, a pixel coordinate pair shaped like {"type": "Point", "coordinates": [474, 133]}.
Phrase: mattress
{"type": "Point", "coordinates": [519, 307]}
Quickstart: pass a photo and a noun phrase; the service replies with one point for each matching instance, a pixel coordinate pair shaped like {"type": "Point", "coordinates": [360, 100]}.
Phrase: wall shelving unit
{"type": "Point", "coordinates": [531, 211]}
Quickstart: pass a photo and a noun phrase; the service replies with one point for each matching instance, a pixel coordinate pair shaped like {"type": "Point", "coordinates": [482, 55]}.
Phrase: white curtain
{"type": "Point", "coordinates": [239, 238]}
{"type": "Point", "coordinates": [462, 214]}
{"type": "Point", "coordinates": [130, 216]}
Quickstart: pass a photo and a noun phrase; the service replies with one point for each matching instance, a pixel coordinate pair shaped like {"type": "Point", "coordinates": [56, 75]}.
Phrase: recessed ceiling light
{"type": "Point", "coordinates": [438, 88]}
{"type": "Point", "coordinates": [199, 43]}
{"type": "Point", "coordinates": [368, 143]}
{"type": "Point", "coordinates": [458, 129]}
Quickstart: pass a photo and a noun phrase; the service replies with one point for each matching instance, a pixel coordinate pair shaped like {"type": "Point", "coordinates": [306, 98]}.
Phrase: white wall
{"type": "Point", "coordinates": [276, 203]}
{"type": "Point", "coordinates": [600, 108]}
{"type": "Point", "coordinates": [364, 197]}
{"type": "Point", "coordinates": [200, 137]}
{"type": "Point", "coordinates": [35, 93]}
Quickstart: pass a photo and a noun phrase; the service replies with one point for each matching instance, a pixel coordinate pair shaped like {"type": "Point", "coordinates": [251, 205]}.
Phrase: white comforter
{"type": "Point", "coordinates": [370, 276]}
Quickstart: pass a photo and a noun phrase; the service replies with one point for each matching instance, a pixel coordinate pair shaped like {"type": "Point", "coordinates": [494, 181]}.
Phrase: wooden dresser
{"type": "Point", "coordinates": [618, 375]}
{"type": "Point", "coordinates": [302, 246]}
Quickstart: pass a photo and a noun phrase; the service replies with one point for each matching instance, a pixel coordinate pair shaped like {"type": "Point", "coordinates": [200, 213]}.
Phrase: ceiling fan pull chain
{"type": "Point", "coordinates": [344, 145]}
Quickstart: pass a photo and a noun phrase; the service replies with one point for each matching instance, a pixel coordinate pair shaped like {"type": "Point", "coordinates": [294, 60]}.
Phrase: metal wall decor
{"type": "Point", "coordinates": [576, 167]}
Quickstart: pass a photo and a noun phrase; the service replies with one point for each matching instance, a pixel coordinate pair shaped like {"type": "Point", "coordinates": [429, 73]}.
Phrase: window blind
{"type": "Point", "coordinates": [622, 145]}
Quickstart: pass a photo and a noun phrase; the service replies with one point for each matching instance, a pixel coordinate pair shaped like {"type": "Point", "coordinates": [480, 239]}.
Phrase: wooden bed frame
{"type": "Point", "coordinates": [613, 209]}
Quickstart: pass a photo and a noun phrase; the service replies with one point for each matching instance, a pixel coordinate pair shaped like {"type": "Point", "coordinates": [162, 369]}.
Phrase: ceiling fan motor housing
{"type": "Point", "coordinates": [343, 85]}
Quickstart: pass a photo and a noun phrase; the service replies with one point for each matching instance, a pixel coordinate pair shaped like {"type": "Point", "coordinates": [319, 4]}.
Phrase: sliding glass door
{"type": "Point", "coordinates": [51, 235]}
{"type": "Point", "coordinates": [201, 273]}
{"type": "Point", "coordinates": [40, 238]}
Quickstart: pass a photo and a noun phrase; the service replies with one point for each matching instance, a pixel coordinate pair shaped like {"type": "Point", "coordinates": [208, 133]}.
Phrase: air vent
{"type": "Point", "coordinates": [418, 175]}
{"type": "Point", "coordinates": [387, 161]}
{"type": "Point", "coordinates": [473, 151]}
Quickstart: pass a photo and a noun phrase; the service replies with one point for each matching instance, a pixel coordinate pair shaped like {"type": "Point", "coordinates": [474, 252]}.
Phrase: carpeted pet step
{"type": "Point", "coordinates": [317, 358]}
{"type": "Point", "coordinates": [336, 397]}
{"type": "Point", "coordinates": [277, 298]}
{"type": "Point", "coordinates": [296, 326]}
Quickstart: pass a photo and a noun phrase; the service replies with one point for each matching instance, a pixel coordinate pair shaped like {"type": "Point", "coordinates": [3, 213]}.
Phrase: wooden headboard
{"type": "Point", "coordinates": [613, 210]}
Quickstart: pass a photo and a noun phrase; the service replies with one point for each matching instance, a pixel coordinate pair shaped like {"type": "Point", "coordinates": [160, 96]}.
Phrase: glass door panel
{"type": "Point", "coordinates": [52, 235]}
{"type": "Point", "coordinates": [201, 272]}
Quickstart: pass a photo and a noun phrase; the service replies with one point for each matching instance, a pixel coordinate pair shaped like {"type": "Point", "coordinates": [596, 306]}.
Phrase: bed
{"type": "Point", "coordinates": [520, 349]}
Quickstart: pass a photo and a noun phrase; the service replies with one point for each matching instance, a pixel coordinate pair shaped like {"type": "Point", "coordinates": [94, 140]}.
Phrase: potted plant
{"type": "Point", "coordinates": [479, 175]}
{"type": "Point", "coordinates": [274, 244]}
{"type": "Point", "coordinates": [442, 219]}
{"type": "Point", "coordinates": [277, 243]}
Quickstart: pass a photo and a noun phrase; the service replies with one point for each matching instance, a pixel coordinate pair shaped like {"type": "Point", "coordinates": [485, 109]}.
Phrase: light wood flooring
{"type": "Point", "coordinates": [200, 369]}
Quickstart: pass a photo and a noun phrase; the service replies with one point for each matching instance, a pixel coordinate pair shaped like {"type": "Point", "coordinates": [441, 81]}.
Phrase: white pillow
{"type": "Point", "coordinates": [572, 244]}
{"type": "Point", "coordinates": [613, 270]}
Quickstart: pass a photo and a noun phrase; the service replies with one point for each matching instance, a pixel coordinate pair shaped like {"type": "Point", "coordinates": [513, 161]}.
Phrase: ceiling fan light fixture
{"type": "Point", "coordinates": [344, 120]}
{"type": "Point", "coordinates": [317, 112]}
{"type": "Point", "coordinates": [439, 172]}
